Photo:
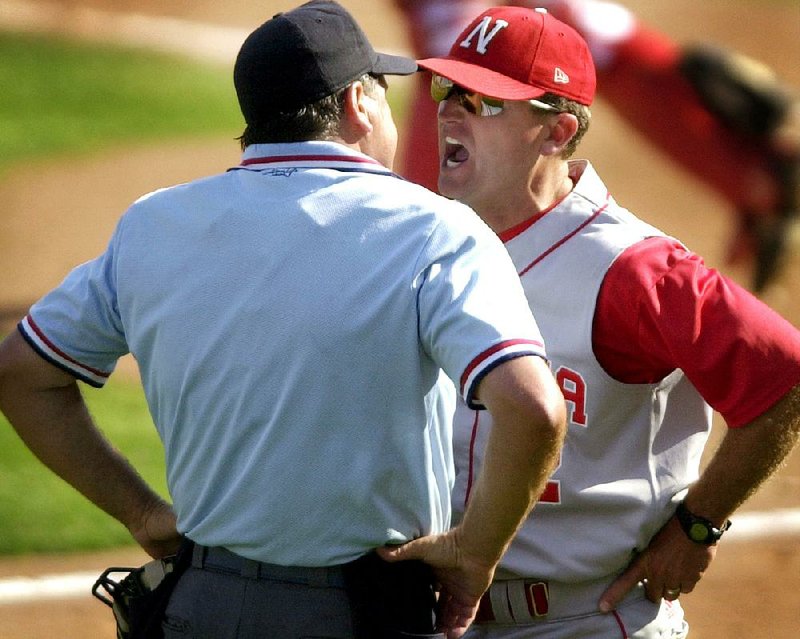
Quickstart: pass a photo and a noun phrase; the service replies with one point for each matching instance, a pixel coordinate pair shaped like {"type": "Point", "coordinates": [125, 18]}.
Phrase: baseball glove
{"type": "Point", "coordinates": [751, 101]}
{"type": "Point", "coordinates": [745, 94]}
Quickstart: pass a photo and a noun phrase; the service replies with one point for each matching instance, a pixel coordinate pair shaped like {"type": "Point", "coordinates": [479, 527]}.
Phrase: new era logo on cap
{"type": "Point", "coordinates": [514, 53]}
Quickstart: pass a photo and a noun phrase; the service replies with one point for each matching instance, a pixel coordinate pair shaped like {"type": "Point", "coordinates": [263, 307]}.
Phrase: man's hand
{"type": "Point", "coordinates": [462, 579]}
{"type": "Point", "coordinates": [155, 530]}
{"type": "Point", "coordinates": [670, 565]}
{"type": "Point", "coordinates": [744, 459]}
{"type": "Point", "coordinates": [529, 424]}
{"type": "Point", "coordinates": [45, 406]}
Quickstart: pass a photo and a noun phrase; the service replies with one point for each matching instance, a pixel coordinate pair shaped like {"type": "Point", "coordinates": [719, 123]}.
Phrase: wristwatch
{"type": "Point", "coordinates": [699, 529]}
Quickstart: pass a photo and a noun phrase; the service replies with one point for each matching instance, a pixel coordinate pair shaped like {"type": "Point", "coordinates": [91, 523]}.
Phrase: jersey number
{"type": "Point", "coordinates": [574, 390]}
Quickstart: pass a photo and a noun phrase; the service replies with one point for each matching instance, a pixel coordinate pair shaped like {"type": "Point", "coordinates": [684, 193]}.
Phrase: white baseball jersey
{"type": "Point", "coordinates": [630, 448]}
{"type": "Point", "coordinates": [291, 319]}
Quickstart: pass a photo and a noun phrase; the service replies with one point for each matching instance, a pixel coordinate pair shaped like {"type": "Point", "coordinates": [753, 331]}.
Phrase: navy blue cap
{"type": "Point", "coordinates": [304, 55]}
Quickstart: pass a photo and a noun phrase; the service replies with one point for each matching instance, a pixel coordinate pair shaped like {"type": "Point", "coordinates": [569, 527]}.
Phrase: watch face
{"type": "Point", "coordinates": [698, 532]}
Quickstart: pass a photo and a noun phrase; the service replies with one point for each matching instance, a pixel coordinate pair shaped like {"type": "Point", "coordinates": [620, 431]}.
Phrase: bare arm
{"type": "Point", "coordinates": [45, 407]}
{"type": "Point", "coordinates": [523, 448]}
{"type": "Point", "coordinates": [746, 457]}
{"type": "Point", "coordinates": [529, 426]}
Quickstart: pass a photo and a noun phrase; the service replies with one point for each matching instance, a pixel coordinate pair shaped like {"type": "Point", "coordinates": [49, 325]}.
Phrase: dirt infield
{"type": "Point", "coordinates": [55, 214]}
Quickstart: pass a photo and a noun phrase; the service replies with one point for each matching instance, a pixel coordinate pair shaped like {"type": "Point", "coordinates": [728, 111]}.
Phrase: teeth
{"type": "Point", "coordinates": [450, 140]}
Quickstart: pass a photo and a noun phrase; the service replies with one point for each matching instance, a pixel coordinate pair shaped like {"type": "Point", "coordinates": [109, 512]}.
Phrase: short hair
{"type": "Point", "coordinates": [580, 111]}
{"type": "Point", "coordinates": [319, 120]}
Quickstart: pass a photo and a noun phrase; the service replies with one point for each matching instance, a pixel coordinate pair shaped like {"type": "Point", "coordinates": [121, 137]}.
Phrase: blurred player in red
{"type": "Point", "coordinates": [433, 25]}
{"type": "Point", "coordinates": [721, 116]}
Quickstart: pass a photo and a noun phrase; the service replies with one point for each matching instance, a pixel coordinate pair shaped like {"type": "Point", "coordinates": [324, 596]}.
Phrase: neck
{"type": "Point", "coordinates": [545, 189]}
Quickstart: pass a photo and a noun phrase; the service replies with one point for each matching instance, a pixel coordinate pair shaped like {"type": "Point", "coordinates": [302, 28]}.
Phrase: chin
{"type": "Point", "coordinates": [450, 187]}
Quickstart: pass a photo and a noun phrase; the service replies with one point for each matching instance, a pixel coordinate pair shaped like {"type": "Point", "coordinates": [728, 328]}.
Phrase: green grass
{"type": "Point", "coordinates": [61, 97]}
{"type": "Point", "coordinates": [41, 513]}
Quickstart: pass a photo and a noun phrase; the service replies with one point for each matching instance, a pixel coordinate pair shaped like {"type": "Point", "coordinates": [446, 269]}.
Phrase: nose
{"type": "Point", "coordinates": [451, 107]}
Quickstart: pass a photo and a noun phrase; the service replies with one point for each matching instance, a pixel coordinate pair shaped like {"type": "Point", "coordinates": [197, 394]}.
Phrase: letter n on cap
{"type": "Point", "coordinates": [484, 35]}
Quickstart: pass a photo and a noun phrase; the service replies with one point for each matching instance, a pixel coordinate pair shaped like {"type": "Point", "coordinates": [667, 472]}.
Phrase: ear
{"type": "Point", "coordinates": [356, 121]}
{"type": "Point", "coordinates": [561, 129]}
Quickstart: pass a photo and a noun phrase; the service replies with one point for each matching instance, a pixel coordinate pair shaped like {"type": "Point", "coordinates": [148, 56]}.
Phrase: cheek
{"type": "Point", "coordinates": [520, 149]}
{"type": "Point", "coordinates": [498, 153]}
{"type": "Point", "coordinates": [388, 118]}
{"type": "Point", "coordinates": [391, 133]}
{"type": "Point", "coordinates": [390, 137]}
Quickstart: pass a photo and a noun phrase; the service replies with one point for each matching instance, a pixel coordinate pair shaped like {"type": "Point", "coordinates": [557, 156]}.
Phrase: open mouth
{"type": "Point", "coordinates": [454, 152]}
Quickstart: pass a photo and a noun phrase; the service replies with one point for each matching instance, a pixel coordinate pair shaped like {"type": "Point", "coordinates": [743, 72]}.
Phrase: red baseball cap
{"type": "Point", "coordinates": [515, 53]}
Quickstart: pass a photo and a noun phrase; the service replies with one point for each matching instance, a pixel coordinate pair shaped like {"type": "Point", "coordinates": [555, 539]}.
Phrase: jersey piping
{"type": "Point", "coordinates": [39, 342]}
{"type": "Point", "coordinates": [312, 161]}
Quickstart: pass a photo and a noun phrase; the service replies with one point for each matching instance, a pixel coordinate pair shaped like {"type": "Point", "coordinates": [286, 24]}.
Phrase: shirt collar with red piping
{"type": "Point", "coordinates": [308, 155]}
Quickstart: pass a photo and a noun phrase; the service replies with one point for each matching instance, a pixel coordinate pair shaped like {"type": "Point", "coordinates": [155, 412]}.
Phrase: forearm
{"type": "Point", "coordinates": [521, 454]}
{"type": "Point", "coordinates": [56, 426]}
{"type": "Point", "coordinates": [511, 480]}
{"type": "Point", "coordinates": [45, 407]}
{"type": "Point", "coordinates": [746, 457]}
{"type": "Point", "coordinates": [529, 427]}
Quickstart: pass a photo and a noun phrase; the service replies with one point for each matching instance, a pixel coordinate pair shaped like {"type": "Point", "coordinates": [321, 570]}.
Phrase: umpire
{"type": "Point", "coordinates": [296, 320]}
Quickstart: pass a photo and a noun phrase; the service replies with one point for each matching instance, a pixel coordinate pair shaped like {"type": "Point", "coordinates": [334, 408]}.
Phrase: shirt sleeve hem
{"type": "Point", "coordinates": [32, 334]}
{"type": "Point", "coordinates": [490, 360]}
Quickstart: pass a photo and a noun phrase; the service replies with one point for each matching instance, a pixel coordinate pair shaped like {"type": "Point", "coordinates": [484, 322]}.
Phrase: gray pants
{"type": "Point", "coordinates": [224, 596]}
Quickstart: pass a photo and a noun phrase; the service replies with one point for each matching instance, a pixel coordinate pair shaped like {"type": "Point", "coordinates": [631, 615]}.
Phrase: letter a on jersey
{"type": "Point", "coordinates": [484, 35]}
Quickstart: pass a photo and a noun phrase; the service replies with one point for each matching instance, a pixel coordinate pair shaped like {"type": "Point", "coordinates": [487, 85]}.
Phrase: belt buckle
{"type": "Point", "coordinates": [515, 601]}
{"type": "Point", "coordinates": [537, 595]}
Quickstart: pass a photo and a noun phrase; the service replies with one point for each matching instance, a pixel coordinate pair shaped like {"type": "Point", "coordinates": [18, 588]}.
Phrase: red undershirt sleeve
{"type": "Point", "coordinates": [660, 308]}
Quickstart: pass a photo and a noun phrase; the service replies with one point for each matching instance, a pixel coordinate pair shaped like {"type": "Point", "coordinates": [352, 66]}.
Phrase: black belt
{"type": "Point", "coordinates": [224, 561]}
{"type": "Point", "coordinates": [387, 600]}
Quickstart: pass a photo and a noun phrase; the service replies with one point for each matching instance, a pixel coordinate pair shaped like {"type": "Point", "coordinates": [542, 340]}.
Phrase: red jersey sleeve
{"type": "Point", "coordinates": [660, 308]}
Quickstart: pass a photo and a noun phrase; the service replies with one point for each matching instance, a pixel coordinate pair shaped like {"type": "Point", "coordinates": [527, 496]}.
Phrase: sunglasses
{"type": "Point", "coordinates": [476, 103]}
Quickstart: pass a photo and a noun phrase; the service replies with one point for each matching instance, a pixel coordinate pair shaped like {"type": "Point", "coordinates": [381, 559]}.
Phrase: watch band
{"type": "Point", "coordinates": [699, 529]}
